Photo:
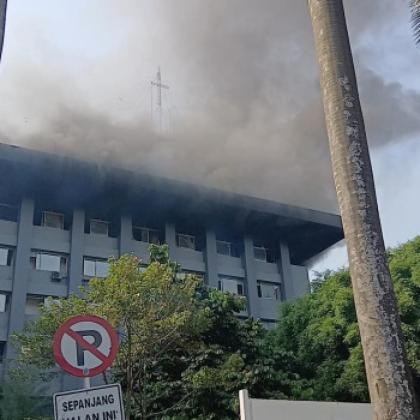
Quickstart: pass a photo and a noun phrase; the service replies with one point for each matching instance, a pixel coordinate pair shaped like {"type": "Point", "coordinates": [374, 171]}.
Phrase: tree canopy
{"type": "Point", "coordinates": [183, 352]}
{"type": "Point", "coordinates": [319, 335]}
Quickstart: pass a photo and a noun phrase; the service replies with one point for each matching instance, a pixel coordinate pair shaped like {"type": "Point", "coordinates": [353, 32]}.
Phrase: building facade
{"type": "Point", "coordinates": [61, 219]}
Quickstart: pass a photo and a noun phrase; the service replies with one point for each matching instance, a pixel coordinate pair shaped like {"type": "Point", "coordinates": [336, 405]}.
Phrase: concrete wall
{"type": "Point", "coordinates": [300, 280]}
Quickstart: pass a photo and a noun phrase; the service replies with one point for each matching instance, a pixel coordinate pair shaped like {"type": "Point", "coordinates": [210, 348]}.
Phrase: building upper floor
{"type": "Point", "coordinates": [61, 219]}
{"type": "Point", "coordinates": [60, 185]}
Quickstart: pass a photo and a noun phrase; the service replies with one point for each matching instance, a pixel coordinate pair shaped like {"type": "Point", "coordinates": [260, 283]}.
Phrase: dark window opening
{"type": "Point", "coordinates": [264, 252]}
{"type": "Point", "coordinates": [184, 240]}
{"type": "Point", "coordinates": [6, 256]}
{"type": "Point", "coordinates": [102, 225]}
{"type": "Point", "coordinates": [8, 212]}
{"type": "Point", "coordinates": [52, 217]}
{"type": "Point", "coordinates": [148, 235]}
{"type": "Point", "coordinates": [2, 350]}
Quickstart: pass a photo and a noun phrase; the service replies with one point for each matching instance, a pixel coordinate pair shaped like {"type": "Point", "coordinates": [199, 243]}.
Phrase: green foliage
{"type": "Point", "coordinates": [183, 353]}
{"type": "Point", "coordinates": [229, 355]}
{"type": "Point", "coordinates": [319, 336]}
{"type": "Point", "coordinates": [19, 401]}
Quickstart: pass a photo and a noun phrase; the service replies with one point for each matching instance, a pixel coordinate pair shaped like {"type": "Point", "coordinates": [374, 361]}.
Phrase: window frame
{"type": "Point", "coordinates": [63, 262]}
{"type": "Point", "coordinates": [261, 285]}
{"type": "Point", "coordinates": [148, 231]}
{"type": "Point", "coordinates": [52, 213]}
{"type": "Point", "coordinates": [225, 243]}
{"type": "Point", "coordinates": [240, 285]}
{"type": "Point", "coordinates": [188, 237]}
{"type": "Point", "coordinates": [260, 248]}
{"type": "Point", "coordinates": [9, 256]}
{"type": "Point", "coordinates": [95, 261]}
{"type": "Point", "coordinates": [99, 221]}
{"type": "Point", "coordinates": [4, 298]}
{"type": "Point", "coordinates": [183, 273]}
{"type": "Point", "coordinates": [38, 298]}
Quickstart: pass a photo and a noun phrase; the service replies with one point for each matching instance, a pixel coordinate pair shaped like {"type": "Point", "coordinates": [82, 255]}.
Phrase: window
{"type": "Point", "coordinates": [51, 219]}
{"type": "Point", "coordinates": [8, 212]}
{"type": "Point", "coordinates": [150, 236]}
{"type": "Point", "coordinates": [6, 255]}
{"type": "Point", "coordinates": [49, 262]}
{"type": "Point", "coordinates": [2, 350]}
{"type": "Point", "coordinates": [182, 274]}
{"type": "Point", "coordinates": [33, 305]}
{"type": "Point", "coordinates": [231, 285]}
{"type": "Point", "coordinates": [224, 248]}
{"type": "Point", "coordinates": [50, 301]}
{"type": "Point", "coordinates": [95, 268]}
{"type": "Point", "coordinates": [269, 291]}
{"type": "Point", "coordinates": [260, 253]}
{"type": "Point", "coordinates": [263, 253]}
{"type": "Point", "coordinates": [185, 241]}
{"type": "Point", "coordinates": [99, 227]}
{"type": "Point", "coordinates": [269, 324]}
{"type": "Point", "coordinates": [3, 302]}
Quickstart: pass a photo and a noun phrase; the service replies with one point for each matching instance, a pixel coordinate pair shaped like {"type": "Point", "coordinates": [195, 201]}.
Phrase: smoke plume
{"type": "Point", "coordinates": [245, 111]}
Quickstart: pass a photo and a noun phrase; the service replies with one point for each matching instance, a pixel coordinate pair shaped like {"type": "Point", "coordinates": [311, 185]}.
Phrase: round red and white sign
{"type": "Point", "coordinates": [85, 345]}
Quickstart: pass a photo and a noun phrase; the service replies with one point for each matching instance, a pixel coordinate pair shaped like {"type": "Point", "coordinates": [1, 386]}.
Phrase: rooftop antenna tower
{"type": "Point", "coordinates": [156, 103]}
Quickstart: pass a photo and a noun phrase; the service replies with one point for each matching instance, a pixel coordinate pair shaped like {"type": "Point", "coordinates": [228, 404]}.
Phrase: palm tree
{"type": "Point", "coordinates": [388, 374]}
{"type": "Point", "coordinates": [3, 6]}
{"type": "Point", "coordinates": [415, 19]}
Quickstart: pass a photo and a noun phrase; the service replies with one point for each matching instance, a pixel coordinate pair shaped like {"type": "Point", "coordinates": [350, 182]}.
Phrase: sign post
{"type": "Point", "coordinates": [84, 346]}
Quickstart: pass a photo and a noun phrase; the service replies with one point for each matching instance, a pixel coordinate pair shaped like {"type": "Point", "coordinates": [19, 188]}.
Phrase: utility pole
{"type": "Point", "coordinates": [388, 375]}
{"type": "Point", "coordinates": [3, 8]}
{"type": "Point", "coordinates": [158, 107]}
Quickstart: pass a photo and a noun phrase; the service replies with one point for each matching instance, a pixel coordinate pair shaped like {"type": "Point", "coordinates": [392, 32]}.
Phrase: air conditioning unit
{"type": "Point", "coordinates": [55, 276]}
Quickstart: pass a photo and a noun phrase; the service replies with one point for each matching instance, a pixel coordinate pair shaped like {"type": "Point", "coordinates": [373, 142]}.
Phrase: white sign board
{"type": "Point", "coordinates": [99, 403]}
{"type": "Point", "coordinates": [258, 409]}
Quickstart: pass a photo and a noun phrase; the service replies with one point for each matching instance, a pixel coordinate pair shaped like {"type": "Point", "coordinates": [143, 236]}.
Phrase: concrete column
{"type": "Point", "coordinates": [75, 278]}
{"type": "Point", "coordinates": [21, 270]}
{"type": "Point", "coordinates": [251, 279]}
{"type": "Point", "coordinates": [170, 237]}
{"type": "Point", "coordinates": [285, 269]}
{"type": "Point", "coordinates": [126, 235]}
{"type": "Point", "coordinates": [76, 251]}
{"type": "Point", "coordinates": [211, 259]}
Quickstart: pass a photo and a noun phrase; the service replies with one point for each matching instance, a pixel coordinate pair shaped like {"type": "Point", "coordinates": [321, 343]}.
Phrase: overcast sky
{"type": "Point", "coordinates": [243, 111]}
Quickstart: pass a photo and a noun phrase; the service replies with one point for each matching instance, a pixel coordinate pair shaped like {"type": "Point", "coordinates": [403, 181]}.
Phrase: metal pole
{"type": "Point", "coordinates": [245, 405]}
{"type": "Point", "coordinates": [86, 382]}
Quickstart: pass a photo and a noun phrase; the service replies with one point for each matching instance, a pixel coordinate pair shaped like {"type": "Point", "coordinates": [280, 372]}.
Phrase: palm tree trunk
{"type": "Point", "coordinates": [415, 19]}
{"type": "Point", "coordinates": [388, 374]}
{"type": "Point", "coordinates": [3, 6]}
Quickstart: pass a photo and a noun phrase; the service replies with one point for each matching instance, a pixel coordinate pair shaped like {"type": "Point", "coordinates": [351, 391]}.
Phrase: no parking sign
{"type": "Point", "coordinates": [85, 345]}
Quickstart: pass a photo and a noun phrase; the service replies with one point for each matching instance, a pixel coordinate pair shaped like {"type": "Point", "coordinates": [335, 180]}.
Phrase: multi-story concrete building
{"type": "Point", "coordinates": [60, 219]}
